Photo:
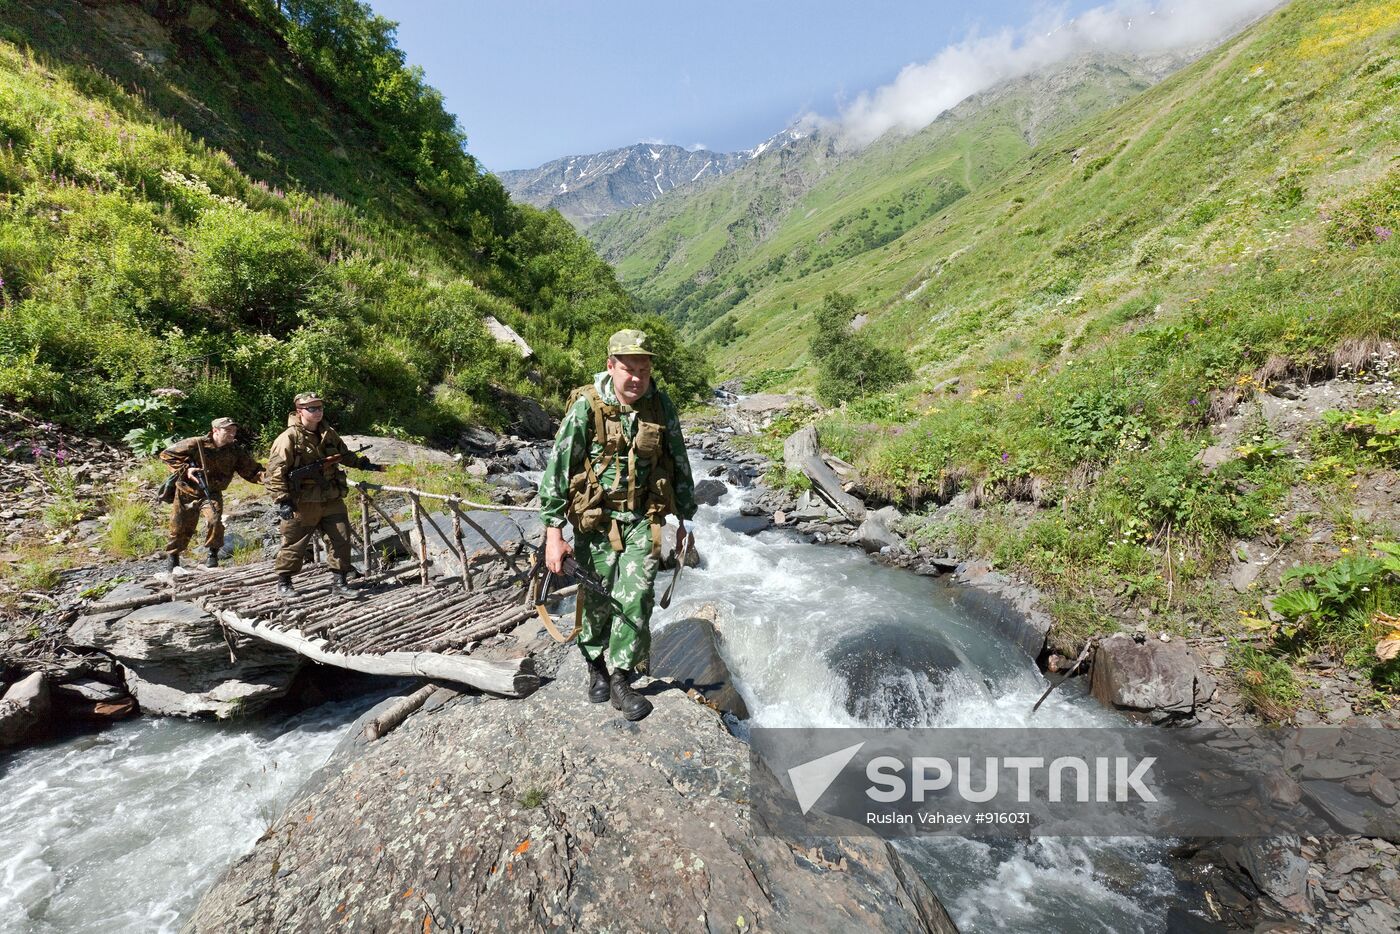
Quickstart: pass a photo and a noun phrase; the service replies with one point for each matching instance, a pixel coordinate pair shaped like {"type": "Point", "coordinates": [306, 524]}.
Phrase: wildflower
{"type": "Point", "coordinates": [1005, 457]}
{"type": "Point", "coordinates": [1383, 233]}
{"type": "Point", "coordinates": [1194, 402]}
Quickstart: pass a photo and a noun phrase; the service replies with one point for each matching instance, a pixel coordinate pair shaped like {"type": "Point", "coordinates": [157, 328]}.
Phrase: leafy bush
{"type": "Point", "coordinates": [249, 268]}
{"type": "Point", "coordinates": [850, 365]}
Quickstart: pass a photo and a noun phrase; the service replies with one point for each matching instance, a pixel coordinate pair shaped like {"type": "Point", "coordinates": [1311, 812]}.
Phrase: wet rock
{"type": "Point", "coordinates": [24, 710]}
{"type": "Point", "coordinates": [393, 451]}
{"type": "Point", "coordinates": [177, 663]}
{"type": "Point", "coordinates": [894, 672]}
{"type": "Point", "coordinates": [668, 553]}
{"type": "Point", "coordinates": [709, 492]}
{"type": "Point", "coordinates": [1149, 676]}
{"type": "Point", "coordinates": [531, 457]}
{"type": "Point", "coordinates": [747, 525]}
{"type": "Point", "coordinates": [1009, 606]}
{"type": "Point", "coordinates": [688, 652]}
{"type": "Point", "coordinates": [740, 476]}
{"type": "Point", "coordinates": [602, 824]}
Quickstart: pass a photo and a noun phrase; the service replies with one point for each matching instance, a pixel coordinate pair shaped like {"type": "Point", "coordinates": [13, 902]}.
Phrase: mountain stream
{"type": "Point", "coordinates": [123, 830]}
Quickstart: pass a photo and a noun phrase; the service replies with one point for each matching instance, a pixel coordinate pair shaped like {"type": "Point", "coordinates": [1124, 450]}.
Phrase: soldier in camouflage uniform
{"type": "Point", "coordinates": [316, 503]}
{"type": "Point", "coordinates": [618, 468]}
{"type": "Point", "coordinates": [215, 458]}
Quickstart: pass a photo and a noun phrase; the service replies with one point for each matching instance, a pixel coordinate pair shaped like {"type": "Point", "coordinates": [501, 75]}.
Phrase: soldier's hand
{"type": "Point", "coordinates": [285, 512]}
{"type": "Point", "coordinates": [555, 550]}
{"type": "Point", "coordinates": [193, 473]}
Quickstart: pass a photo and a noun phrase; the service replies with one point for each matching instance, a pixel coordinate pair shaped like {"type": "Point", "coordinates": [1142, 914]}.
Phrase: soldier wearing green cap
{"type": "Point", "coordinates": [617, 470]}
{"type": "Point", "coordinates": [203, 464]}
{"type": "Point", "coordinates": [315, 503]}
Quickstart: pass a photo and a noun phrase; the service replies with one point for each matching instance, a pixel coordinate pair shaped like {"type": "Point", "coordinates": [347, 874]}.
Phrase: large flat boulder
{"type": "Point", "coordinates": [551, 813]}
{"type": "Point", "coordinates": [176, 661]}
{"type": "Point", "coordinates": [1147, 676]}
{"type": "Point", "coordinates": [506, 529]}
{"type": "Point", "coordinates": [393, 451]}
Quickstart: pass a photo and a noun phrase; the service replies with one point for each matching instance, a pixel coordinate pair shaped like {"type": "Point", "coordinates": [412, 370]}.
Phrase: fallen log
{"type": "Point", "coordinates": [397, 714]}
{"type": "Point", "coordinates": [509, 678]}
{"type": "Point", "coordinates": [802, 454]}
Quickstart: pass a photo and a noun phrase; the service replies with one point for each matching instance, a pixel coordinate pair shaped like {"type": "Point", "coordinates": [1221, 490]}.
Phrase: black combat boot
{"type": "Point", "coordinates": [598, 690]}
{"type": "Point", "coordinates": [284, 586]}
{"type": "Point", "coordinates": [625, 697]}
{"type": "Point", "coordinates": [340, 585]}
{"type": "Point", "coordinates": [212, 561]}
{"type": "Point", "coordinates": [172, 562]}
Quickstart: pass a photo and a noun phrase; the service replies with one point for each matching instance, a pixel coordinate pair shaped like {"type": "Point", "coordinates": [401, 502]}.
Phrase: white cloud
{"type": "Point", "coordinates": [921, 92]}
{"type": "Point", "coordinates": [696, 147]}
{"type": "Point", "coordinates": [651, 141]}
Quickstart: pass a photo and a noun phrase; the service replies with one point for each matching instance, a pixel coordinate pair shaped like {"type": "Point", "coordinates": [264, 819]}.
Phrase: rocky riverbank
{"type": "Point", "coordinates": [1340, 881]}
{"type": "Point", "coordinates": [550, 812]}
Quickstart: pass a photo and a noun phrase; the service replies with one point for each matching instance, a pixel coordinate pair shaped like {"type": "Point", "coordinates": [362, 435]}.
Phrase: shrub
{"type": "Point", "coordinates": [249, 268]}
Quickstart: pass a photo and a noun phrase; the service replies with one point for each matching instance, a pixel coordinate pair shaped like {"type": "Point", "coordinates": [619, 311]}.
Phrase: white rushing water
{"type": "Point", "coordinates": [799, 621]}
{"type": "Point", "coordinates": [123, 830]}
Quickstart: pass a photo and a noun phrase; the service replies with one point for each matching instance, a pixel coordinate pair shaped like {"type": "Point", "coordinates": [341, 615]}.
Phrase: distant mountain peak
{"type": "Point", "coordinates": [586, 188]}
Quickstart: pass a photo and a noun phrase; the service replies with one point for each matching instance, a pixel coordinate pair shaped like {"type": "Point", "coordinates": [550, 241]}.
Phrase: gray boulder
{"type": "Point", "coordinates": [668, 552]}
{"type": "Point", "coordinates": [1275, 867]}
{"type": "Point", "coordinates": [24, 709]}
{"type": "Point", "coordinates": [554, 813]}
{"type": "Point", "coordinates": [873, 535]}
{"type": "Point", "coordinates": [393, 451]}
{"type": "Point", "coordinates": [1151, 676]}
{"type": "Point", "coordinates": [687, 652]}
{"type": "Point", "coordinates": [709, 492]}
{"type": "Point", "coordinates": [888, 666]}
{"type": "Point", "coordinates": [507, 529]}
{"type": "Point", "coordinates": [177, 663]}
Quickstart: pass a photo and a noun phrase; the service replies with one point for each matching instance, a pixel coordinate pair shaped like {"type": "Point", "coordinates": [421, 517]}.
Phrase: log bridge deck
{"type": "Point", "coordinates": [403, 621]}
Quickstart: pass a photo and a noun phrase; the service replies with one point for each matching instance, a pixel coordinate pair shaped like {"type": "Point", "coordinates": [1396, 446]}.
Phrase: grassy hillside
{"type": "Point", "coordinates": [813, 204]}
{"type": "Point", "coordinates": [244, 200]}
{"type": "Point", "coordinates": [1080, 323]}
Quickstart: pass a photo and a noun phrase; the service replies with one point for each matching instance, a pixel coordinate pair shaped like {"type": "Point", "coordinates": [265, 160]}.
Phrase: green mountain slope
{"type": "Point", "coordinates": [1082, 326]}
{"type": "Point", "coordinates": [246, 199]}
{"type": "Point", "coordinates": [812, 203]}
{"type": "Point", "coordinates": [1225, 159]}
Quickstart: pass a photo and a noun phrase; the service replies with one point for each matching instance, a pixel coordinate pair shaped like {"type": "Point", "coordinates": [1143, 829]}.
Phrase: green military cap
{"type": "Point", "coordinates": [307, 398]}
{"type": "Point", "coordinates": [629, 342]}
{"type": "Point", "coordinates": [223, 423]}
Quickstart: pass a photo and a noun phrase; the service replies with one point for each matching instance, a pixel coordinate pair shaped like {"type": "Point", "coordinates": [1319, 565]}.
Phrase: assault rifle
{"type": "Point", "coordinates": [317, 468]}
{"type": "Point", "coordinates": [541, 582]}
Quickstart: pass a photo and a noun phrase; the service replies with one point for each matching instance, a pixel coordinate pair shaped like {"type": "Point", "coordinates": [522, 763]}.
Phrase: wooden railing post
{"type": "Point", "coordinates": [461, 552]}
{"type": "Point", "coordinates": [422, 539]}
{"type": "Point", "coordinates": [364, 532]}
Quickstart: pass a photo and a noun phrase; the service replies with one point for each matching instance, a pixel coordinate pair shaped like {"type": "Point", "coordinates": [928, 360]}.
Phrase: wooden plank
{"type": "Point", "coordinates": [509, 678]}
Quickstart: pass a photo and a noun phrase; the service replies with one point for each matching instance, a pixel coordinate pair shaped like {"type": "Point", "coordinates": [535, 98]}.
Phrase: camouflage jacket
{"type": "Point", "coordinates": [220, 464]}
{"type": "Point", "coordinates": [297, 447]}
{"type": "Point", "coordinates": [575, 440]}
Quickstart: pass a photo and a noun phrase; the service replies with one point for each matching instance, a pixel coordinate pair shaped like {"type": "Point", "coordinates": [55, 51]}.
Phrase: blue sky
{"type": "Point", "coordinates": [533, 80]}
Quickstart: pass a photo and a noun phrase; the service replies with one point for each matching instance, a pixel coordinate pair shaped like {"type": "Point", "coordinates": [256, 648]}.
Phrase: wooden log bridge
{"type": "Point", "coordinates": [404, 620]}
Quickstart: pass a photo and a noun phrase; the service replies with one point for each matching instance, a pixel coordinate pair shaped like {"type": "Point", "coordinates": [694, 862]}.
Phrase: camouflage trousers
{"type": "Point", "coordinates": [624, 631]}
{"type": "Point", "coordinates": [331, 520]}
{"type": "Point", "coordinates": [184, 520]}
